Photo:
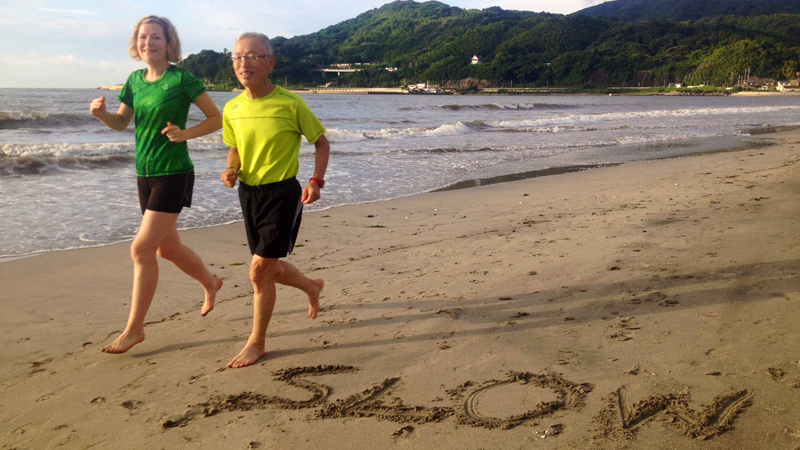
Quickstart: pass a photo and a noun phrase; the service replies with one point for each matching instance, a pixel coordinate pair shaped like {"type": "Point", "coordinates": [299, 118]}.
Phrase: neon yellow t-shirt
{"type": "Point", "coordinates": [267, 131]}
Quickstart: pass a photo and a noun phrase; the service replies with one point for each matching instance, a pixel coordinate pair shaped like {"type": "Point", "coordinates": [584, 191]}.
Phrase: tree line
{"type": "Point", "coordinates": [405, 42]}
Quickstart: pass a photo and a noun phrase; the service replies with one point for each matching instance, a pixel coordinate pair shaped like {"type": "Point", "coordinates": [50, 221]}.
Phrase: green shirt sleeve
{"type": "Point", "coordinates": [192, 87]}
{"type": "Point", "coordinates": [126, 94]}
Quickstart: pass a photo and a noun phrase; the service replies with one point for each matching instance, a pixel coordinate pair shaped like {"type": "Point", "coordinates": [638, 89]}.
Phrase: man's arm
{"type": "Point", "coordinates": [231, 173]}
{"type": "Point", "coordinates": [323, 152]}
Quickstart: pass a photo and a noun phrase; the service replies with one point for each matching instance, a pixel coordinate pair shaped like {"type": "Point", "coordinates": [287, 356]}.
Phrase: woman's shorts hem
{"type": "Point", "coordinates": [168, 194]}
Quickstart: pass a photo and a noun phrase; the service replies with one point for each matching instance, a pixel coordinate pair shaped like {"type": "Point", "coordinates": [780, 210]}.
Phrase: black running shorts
{"type": "Point", "coordinates": [168, 194]}
{"type": "Point", "coordinates": [272, 214]}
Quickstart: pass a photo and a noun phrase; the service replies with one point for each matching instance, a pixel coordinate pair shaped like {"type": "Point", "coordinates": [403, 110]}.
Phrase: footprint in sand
{"type": "Point", "coordinates": [403, 432]}
{"type": "Point", "coordinates": [786, 373]}
{"type": "Point", "coordinates": [624, 325]}
{"type": "Point", "coordinates": [132, 404]}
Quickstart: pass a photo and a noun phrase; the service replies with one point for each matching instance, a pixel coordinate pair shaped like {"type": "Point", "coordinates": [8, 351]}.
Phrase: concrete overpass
{"type": "Point", "coordinates": [338, 71]}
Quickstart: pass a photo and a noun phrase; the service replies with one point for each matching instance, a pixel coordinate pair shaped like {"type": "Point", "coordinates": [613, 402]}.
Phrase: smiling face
{"type": "Point", "coordinates": [253, 73]}
{"type": "Point", "coordinates": [151, 44]}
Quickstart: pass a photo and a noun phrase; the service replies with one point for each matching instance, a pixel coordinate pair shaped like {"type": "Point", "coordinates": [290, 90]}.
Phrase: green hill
{"type": "Point", "coordinates": [408, 42]}
{"type": "Point", "coordinates": [680, 10]}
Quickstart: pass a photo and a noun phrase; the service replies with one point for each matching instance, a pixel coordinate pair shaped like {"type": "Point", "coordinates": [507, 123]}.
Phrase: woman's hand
{"type": "Point", "coordinates": [98, 107]}
{"type": "Point", "coordinates": [118, 121]}
{"type": "Point", "coordinates": [174, 133]}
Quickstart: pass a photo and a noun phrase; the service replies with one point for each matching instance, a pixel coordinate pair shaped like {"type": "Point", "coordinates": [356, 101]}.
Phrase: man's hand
{"type": "Point", "coordinates": [310, 193]}
{"type": "Point", "coordinates": [229, 177]}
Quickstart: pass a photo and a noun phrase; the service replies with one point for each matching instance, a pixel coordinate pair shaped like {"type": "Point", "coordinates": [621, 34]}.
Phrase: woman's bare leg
{"type": "Point", "coordinates": [155, 227]}
{"type": "Point", "coordinates": [189, 262]}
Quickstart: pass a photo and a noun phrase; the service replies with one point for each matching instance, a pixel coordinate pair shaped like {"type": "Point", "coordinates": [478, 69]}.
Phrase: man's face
{"type": "Point", "coordinates": [253, 70]}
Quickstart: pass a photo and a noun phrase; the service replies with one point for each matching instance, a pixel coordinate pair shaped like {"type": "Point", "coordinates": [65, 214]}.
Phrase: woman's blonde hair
{"type": "Point", "coordinates": [170, 33]}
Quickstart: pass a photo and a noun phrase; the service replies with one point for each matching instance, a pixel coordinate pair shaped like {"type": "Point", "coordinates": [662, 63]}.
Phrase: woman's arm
{"type": "Point", "coordinates": [118, 121]}
{"type": "Point", "coordinates": [212, 123]}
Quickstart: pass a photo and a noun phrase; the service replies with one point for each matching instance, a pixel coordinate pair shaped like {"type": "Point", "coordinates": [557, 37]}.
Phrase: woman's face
{"type": "Point", "coordinates": [152, 43]}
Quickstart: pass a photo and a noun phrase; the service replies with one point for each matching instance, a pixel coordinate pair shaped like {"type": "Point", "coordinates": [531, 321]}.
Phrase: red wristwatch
{"type": "Point", "coordinates": [320, 182]}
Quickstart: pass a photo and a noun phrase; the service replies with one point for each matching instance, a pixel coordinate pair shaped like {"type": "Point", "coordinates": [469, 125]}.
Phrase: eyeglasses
{"type": "Point", "coordinates": [241, 58]}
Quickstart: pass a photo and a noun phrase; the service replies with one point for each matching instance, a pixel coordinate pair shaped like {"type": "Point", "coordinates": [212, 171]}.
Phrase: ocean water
{"type": "Point", "coordinates": [67, 181]}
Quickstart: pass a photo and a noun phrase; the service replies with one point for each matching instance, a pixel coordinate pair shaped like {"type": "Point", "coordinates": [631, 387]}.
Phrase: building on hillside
{"type": "Point", "coordinates": [758, 83]}
{"type": "Point", "coordinates": [476, 60]}
{"type": "Point", "coordinates": [790, 85]}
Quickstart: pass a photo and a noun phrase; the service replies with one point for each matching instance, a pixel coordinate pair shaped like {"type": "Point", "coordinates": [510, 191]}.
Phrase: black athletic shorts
{"type": "Point", "coordinates": [168, 194]}
{"type": "Point", "coordinates": [272, 214]}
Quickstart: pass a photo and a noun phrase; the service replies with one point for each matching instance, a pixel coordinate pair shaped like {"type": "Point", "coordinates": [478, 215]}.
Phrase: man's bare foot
{"type": "Point", "coordinates": [249, 355]}
{"type": "Point", "coordinates": [124, 342]}
{"type": "Point", "coordinates": [211, 295]}
{"type": "Point", "coordinates": [313, 298]}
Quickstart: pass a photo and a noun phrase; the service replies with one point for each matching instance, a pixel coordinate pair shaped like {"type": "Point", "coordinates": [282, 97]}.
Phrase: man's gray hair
{"type": "Point", "coordinates": [262, 37]}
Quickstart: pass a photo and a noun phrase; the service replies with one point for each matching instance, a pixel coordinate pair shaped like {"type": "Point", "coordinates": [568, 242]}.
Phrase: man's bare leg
{"type": "Point", "coordinates": [155, 227]}
{"type": "Point", "coordinates": [189, 262]}
{"type": "Point", "coordinates": [289, 275]}
{"type": "Point", "coordinates": [313, 300]}
{"type": "Point", "coordinates": [262, 274]}
{"type": "Point", "coordinates": [265, 272]}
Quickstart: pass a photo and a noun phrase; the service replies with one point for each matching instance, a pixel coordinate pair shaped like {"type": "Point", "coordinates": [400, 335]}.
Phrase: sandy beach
{"type": "Point", "coordinates": [652, 305]}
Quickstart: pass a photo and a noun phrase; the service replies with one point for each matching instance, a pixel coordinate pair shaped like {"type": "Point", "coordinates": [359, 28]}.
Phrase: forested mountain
{"type": "Point", "coordinates": [407, 42]}
{"type": "Point", "coordinates": [638, 10]}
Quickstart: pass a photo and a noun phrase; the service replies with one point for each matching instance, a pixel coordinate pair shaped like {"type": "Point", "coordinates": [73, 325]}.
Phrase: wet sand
{"type": "Point", "coordinates": [651, 305]}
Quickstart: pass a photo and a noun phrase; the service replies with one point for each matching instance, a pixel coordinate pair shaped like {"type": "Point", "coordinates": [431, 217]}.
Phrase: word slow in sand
{"type": "Point", "coordinates": [618, 419]}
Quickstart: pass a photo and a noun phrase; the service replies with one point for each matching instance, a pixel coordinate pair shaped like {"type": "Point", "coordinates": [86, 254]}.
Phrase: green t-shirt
{"type": "Point", "coordinates": [267, 131]}
{"type": "Point", "coordinates": [154, 104]}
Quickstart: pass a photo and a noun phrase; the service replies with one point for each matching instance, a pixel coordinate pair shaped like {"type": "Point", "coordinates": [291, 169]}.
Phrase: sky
{"type": "Point", "coordinates": [83, 43]}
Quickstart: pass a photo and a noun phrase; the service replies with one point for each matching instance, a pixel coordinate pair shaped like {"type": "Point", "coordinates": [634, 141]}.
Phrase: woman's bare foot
{"type": "Point", "coordinates": [211, 296]}
{"type": "Point", "coordinates": [313, 298]}
{"type": "Point", "coordinates": [249, 355]}
{"type": "Point", "coordinates": [124, 342]}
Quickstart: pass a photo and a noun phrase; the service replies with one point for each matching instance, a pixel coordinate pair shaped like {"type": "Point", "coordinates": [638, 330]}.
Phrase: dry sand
{"type": "Point", "coordinates": [652, 305]}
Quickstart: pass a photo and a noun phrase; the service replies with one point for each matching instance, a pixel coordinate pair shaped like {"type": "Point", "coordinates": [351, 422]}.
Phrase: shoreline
{"type": "Point", "coordinates": [554, 306]}
{"type": "Point", "coordinates": [610, 91]}
{"type": "Point", "coordinates": [708, 143]}
{"type": "Point", "coordinates": [481, 181]}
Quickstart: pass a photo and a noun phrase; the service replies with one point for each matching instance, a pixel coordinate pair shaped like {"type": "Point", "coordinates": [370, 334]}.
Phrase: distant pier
{"type": "Point", "coordinates": [513, 90]}
{"type": "Point", "coordinates": [351, 91]}
{"type": "Point", "coordinates": [403, 91]}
